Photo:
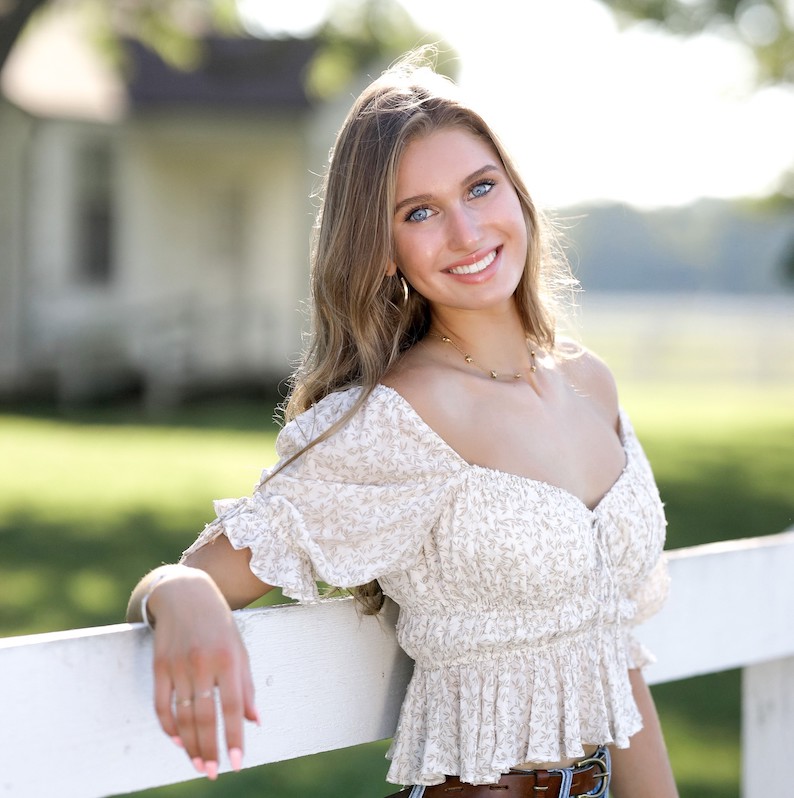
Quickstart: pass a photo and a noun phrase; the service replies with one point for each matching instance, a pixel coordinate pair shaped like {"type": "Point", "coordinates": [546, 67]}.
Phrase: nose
{"type": "Point", "coordinates": [463, 228]}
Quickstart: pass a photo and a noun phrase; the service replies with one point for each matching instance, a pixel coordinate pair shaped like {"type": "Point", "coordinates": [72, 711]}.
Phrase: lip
{"type": "Point", "coordinates": [489, 256]}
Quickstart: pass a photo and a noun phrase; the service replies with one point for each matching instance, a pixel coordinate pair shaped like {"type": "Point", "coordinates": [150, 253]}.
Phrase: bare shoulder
{"type": "Point", "coordinates": [424, 382]}
{"type": "Point", "coordinates": [590, 376]}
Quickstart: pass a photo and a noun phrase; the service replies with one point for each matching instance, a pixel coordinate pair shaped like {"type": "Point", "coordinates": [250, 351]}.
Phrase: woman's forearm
{"type": "Point", "coordinates": [222, 566]}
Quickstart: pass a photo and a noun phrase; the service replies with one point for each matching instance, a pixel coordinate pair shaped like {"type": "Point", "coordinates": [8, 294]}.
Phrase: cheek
{"type": "Point", "coordinates": [414, 254]}
{"type": "Point", "coordinates": [518, 225]}
{"type": "Point", "coordinates": [523, 236]}
{"type": "Point", "coordinates": [512, 210]}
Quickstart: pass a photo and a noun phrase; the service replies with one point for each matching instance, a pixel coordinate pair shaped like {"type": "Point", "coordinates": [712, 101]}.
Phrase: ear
{"type": "Point", "coordinates": [391, 268]}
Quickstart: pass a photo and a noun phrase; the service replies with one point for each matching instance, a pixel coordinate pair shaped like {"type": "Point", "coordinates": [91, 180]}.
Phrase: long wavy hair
{"type": "Point", "coordinates": [360, 321]}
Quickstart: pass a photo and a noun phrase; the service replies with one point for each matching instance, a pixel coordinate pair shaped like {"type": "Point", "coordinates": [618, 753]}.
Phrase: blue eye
{"type": "Point", "coordinates": [418, 215]}
{"type": "Point", "coordinates": [481, 189]}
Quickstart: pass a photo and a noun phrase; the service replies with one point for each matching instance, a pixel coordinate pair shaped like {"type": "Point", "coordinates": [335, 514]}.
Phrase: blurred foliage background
{"type": "Point", "coordinates": [357, 30]}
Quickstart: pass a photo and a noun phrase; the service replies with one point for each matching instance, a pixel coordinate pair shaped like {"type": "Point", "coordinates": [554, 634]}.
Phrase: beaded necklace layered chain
{"type": "Point", "coordinates": [494, 375]}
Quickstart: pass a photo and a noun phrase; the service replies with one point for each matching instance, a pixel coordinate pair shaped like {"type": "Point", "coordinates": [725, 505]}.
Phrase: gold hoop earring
{"type": "Point", "coordinates": [404, 285]}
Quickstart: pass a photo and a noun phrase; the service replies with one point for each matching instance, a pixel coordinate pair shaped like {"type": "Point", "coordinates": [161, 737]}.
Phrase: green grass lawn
{"type": "Point", "coordinates": [92, 500]}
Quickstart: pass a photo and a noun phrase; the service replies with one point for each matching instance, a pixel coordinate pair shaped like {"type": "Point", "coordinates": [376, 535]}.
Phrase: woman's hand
{"type": "Point", "coordinates": [198, 655]}
{"type": "Point", "coordinates": [200, 662]}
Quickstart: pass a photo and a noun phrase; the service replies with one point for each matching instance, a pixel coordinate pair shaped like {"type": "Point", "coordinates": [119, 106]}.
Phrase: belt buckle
{"type": "Point", "coordinates": [603, 775]}
{"type": "Point", "coordinates": [539, 790]}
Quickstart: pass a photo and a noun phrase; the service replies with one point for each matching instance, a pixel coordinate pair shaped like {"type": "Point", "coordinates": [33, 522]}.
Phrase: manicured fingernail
{"type": "Point", "coordinates": [198, 763]}
{"type": "Point", "coordinates": [257, 719]}
{"type": "Point", "coordinates": [177, 741]}
{"type": "Point", "coordinates": [212, 770]}
{"type": "Point", "coordinates": [236, 759]}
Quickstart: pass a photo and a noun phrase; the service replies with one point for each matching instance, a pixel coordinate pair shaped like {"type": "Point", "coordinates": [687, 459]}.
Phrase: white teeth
{"type": "Point", "coordinates": [476, 267]}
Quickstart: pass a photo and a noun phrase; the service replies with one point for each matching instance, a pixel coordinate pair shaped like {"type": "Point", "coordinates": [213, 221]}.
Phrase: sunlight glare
{"type": "Point", "coordinates": [266, 18]}
{"type": "Point", "coordinates": [593, 112]}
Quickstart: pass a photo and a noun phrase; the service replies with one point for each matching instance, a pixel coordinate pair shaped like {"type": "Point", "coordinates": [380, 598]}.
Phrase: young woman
{"type": "Point", "coordinates": [445, 448]}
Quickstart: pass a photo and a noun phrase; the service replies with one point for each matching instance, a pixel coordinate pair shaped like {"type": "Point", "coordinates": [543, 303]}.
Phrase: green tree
{"type": "Point", "coordinates": [765, 26]}
{"type": "Point", "coordinates": [168, 26]}
{"type": "Point", "coordinates": [353, 34]}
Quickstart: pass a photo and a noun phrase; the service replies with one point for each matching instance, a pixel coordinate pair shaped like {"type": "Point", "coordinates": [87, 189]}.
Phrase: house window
{"type": "Point", "coordinates": [95, 213]}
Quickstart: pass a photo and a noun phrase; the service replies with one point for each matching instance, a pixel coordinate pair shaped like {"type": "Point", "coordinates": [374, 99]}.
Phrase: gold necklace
{"type": "Point", "coordinates": [494, 375]}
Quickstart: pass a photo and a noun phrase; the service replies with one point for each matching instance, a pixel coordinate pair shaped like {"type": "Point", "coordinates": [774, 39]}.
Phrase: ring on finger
{"type": "Point", "coordinates": [184, 702]}
{"type": "Point", "coordinates": [204, 694]}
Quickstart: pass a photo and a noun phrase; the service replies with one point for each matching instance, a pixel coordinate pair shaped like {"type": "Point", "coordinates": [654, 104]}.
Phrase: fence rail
{"type": "Point", "coordinates": [76, 716]}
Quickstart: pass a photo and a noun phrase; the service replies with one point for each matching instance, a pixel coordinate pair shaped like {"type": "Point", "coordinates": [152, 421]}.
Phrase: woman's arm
{"type": "Point", "coordinates": [198, 649]}
{"type": "Point", "coordinates": [643, 770]}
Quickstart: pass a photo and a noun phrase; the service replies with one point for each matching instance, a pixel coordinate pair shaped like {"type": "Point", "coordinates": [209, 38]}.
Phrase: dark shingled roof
{"type": "Point", "coordinates": [236, 74]}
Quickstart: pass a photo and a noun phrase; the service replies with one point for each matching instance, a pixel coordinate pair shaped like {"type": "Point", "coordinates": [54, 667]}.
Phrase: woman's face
{"type": "Point", "coordinates": [459, 232]}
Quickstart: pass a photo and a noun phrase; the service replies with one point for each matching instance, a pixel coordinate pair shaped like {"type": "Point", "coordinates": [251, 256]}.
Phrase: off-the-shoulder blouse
{"type": "Point", "coordinates": [517, 601]}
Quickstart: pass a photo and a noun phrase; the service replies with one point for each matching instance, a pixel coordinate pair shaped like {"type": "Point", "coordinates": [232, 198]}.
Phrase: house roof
{"type": "Point", "coordinates": [55, 71]}
{"type": "Point", "coordinates": [233, 73]}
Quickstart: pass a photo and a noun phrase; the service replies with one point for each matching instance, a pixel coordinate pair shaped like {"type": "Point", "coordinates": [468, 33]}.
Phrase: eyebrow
{"type": "Point", "coordinates": [422, 198]}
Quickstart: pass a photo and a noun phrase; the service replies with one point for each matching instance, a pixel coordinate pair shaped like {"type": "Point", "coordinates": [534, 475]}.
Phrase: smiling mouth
{"type": "Point", "coordinates": [475, 268]}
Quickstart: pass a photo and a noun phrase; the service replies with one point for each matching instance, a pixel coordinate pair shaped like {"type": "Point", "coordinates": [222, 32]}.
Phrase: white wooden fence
{"type": "Point", "coordinates": [76, 716]}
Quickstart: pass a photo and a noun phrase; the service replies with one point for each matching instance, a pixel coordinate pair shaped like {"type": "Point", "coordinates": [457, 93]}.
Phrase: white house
{"type": "Point", "coordinates": [154, 231]}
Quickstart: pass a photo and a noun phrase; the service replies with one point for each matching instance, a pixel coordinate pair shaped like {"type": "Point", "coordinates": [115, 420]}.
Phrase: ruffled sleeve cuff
{"type": "Point", "coordinates": [638, 655]}
{"type": "Point", "coordinates": [265, 526]}
{"type": "Point", "coordinates": [645, 602]}
{"type": "Point", "coordinates": [651, 596]}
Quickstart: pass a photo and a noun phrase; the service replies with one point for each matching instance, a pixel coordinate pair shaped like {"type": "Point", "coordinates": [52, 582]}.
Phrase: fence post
{"type": "Point", "coordinates": [767, 727]}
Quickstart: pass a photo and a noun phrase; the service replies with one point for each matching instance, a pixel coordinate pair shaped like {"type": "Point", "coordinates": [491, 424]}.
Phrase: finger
{"type": "Point", "coordinates": [163, 690]}
{"type": "Point", "coordinates": [206, 726]}
{"type": "Point", "coordinates": [250, 712]}
{"type": "Point", "coordinates": [182, 704]}
{"type": "Point", "coordinates": [249, 696]}
{"type": "Point", "coordinates": [166, 697]}
{"type": "Point", "coordinates": [231, 697]}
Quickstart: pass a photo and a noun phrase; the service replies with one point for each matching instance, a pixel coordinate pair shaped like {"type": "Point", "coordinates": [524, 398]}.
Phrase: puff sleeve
{"type": "Point", "coordinates": [648, 600]}
{"type": "Point", "coordinates": [356, 506]}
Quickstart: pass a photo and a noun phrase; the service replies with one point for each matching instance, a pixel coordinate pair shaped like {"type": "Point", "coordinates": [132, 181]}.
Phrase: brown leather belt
{"type": "Point", "coordinates": [589, 779]}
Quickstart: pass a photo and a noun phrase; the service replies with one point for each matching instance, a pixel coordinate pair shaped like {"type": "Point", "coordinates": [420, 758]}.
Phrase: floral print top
{"type": "Point", "coordinates": [516, 600]}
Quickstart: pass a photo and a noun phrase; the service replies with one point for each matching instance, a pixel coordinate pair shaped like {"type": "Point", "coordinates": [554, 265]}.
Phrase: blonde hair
{"type": "Point", "coordinates": [360, 322]}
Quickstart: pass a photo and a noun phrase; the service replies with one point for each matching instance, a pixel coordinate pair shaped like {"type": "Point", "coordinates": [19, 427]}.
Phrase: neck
{"type": "Point", "coordinates": [495, 342]}
{"type": "Point", "coordinates": [480, 324]}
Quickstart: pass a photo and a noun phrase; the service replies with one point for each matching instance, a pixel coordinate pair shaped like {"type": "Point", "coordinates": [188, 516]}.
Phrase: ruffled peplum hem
{"type": "Point", "coordinates": [476, 720]}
